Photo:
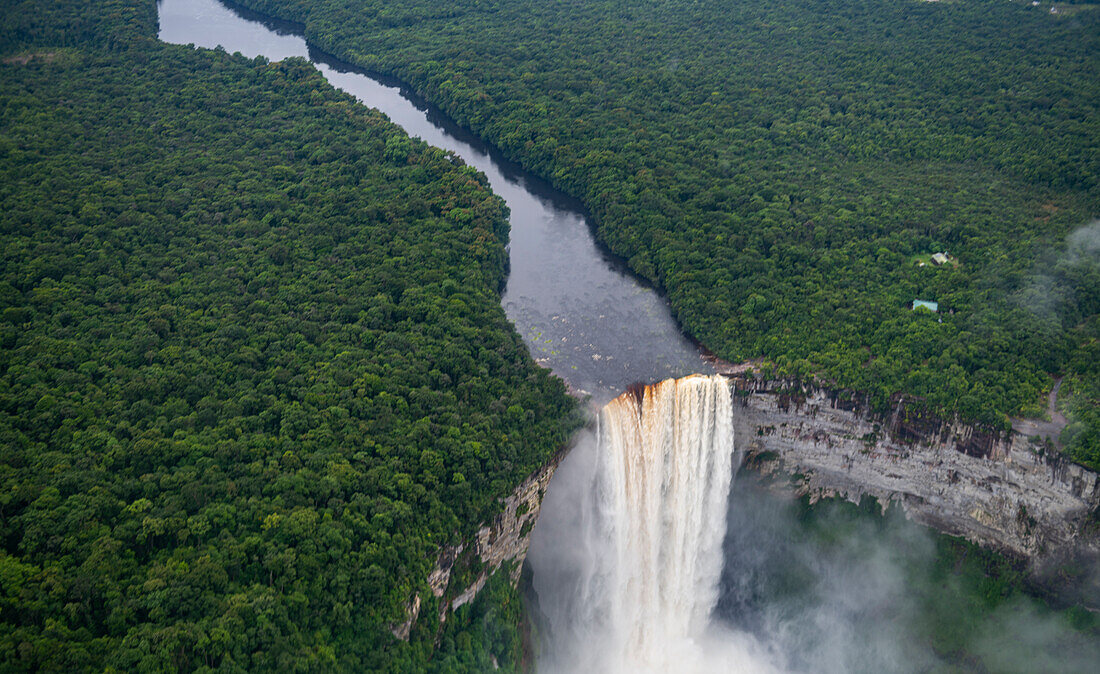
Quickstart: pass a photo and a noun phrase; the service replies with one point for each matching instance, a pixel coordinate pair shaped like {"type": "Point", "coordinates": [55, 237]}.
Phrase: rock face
{"type": "Point", "coordinates": [1000, 490]}
{"type": "Point", "coordinates": [505, 539]}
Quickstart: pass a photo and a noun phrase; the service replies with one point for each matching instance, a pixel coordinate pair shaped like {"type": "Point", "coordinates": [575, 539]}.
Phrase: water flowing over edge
{"type": "Point", "coordinates": [652, 519]}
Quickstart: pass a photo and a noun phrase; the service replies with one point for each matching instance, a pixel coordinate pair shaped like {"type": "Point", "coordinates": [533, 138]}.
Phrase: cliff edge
{"type": "Point", "coordinates": [1002, 490]}
{"type": "Point", "coordinates": [999, 489]}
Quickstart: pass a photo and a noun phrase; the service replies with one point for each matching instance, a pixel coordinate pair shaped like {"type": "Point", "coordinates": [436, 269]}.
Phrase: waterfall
{"type": "Point", "coordinates": [665, 458]}
{"type": "Point", "coordinates": [650, 505]}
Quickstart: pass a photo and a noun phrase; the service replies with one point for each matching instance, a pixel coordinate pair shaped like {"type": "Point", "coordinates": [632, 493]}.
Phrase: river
{"type": "Point", "coordinates": [787, 601]}
{"type": "Point", "coordinates": [580, 312]}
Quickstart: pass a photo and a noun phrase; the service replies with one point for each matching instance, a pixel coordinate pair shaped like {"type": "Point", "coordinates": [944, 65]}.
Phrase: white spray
{"type": "Point", "coordinates": [652, 519]}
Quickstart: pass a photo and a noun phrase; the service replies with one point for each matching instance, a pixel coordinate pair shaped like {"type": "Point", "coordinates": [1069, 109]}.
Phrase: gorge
{"type": "Point", "coordinates": [581, 316]}
{"type": "Point", "coordinates": [1003, 491]}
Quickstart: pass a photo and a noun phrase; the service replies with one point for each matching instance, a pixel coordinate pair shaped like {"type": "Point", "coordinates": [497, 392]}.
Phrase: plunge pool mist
{"type": "Point", "coordinates": [645, 558]}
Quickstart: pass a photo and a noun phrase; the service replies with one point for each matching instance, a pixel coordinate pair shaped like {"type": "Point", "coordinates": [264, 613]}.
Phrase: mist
{"type": "Point", "coordinates": [1065, 285]}
{"type": "Point", "coordinates": [627, 553]}
{"type": "Point", "coordinates": [842, 588]}
{"type": "Point", "coordinates": [835, 588]}
{"type": "Point", "coordinates": [1083, 244]}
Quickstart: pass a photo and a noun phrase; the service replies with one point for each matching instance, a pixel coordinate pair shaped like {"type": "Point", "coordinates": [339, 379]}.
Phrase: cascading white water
{"type": "Point", "coordinates": [652, 518]}
{"type": "Point", "coordinates": [665, 465]}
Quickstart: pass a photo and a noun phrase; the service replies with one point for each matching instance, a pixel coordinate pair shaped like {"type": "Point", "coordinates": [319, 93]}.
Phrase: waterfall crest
{"type": "Point", "coordinates": [665, 456]}
{"type": "Point", "coordinates": [652, 518]}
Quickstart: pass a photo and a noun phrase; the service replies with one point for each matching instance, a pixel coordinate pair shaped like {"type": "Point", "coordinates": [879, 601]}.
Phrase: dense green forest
{"type": "Point", "coordinates": [782, 169]}
{"type": "Point", "coordinates": [254, 371]}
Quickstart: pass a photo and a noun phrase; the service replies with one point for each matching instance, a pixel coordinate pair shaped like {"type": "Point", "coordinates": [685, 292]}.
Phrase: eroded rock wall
{"type": "Point", "coordinates": [505, 539]}
{"type": "Point", "coordinates": [1000, 490]}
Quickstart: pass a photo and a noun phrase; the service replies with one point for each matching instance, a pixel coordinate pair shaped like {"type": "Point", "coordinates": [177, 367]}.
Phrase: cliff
{"type": "Point", "coordinates": [504, 539]}
{"type": "Point", "coordinates": [1002, 490]}
{"type": "Point", "coordinates": [998, 489]}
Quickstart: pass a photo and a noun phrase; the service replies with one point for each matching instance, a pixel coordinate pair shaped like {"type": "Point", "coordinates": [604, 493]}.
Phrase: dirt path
{"type": "Point", "coordinates": [1050, 430]}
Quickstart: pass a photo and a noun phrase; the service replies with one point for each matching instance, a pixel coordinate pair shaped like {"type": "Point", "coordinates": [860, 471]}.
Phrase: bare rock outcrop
{"type": "Point", "coordinates": [998, 489]}
{"type": "Point", "coordinates": [1002, 490]}
{"type": "Point", "coordinates": [504, 539]}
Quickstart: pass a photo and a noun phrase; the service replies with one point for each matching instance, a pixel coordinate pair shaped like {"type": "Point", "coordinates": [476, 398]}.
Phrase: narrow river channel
{"type": "Point", "coordinates": [580, 312]}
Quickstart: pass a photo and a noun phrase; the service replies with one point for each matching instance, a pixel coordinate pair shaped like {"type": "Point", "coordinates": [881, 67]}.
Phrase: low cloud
{"type": "Point", "coordinates": [831, 590]}
{"type": "Point", "coordinates": [1060, 284]}
{"type": "Point", "coordinates": [838, 594]}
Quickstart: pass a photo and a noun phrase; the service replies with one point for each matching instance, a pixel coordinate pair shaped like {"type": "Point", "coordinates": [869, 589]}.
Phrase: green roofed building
{"type": "Point", "coordinates": [931, 306]}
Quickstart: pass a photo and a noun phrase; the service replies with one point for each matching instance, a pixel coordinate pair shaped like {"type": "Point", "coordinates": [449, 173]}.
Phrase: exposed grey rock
{"type": "Point", "coordinates": [1000, 490]}
{"type": "Point", "coordinates": [505, 539]}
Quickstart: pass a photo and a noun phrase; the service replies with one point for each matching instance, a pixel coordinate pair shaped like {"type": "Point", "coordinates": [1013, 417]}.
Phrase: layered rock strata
{"type": "Point", "coordinates": [504, 539]}
{"type": "Point", "coordinates": [1001, 490]}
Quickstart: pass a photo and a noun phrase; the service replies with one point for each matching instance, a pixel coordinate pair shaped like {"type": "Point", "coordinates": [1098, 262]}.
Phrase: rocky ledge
{"type": "Point", "coordinates": [504, 539]}
{"type": "Point", "coordinates": [1002, 490]}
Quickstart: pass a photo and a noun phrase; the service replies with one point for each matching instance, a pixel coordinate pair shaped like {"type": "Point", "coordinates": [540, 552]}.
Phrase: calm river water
{"type": "Point", "coordinates": [580, 313]}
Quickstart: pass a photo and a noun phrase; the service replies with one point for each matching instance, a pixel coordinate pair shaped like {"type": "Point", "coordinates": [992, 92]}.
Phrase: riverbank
{"type": "Point", "coordinates": [582, 314]}
{"type": "Point", "coordinates": [255, 369]}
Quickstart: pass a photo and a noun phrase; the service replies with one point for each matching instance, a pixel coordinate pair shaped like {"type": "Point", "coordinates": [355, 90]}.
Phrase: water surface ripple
{"type": "Point", "coordinates": [580, 312]}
